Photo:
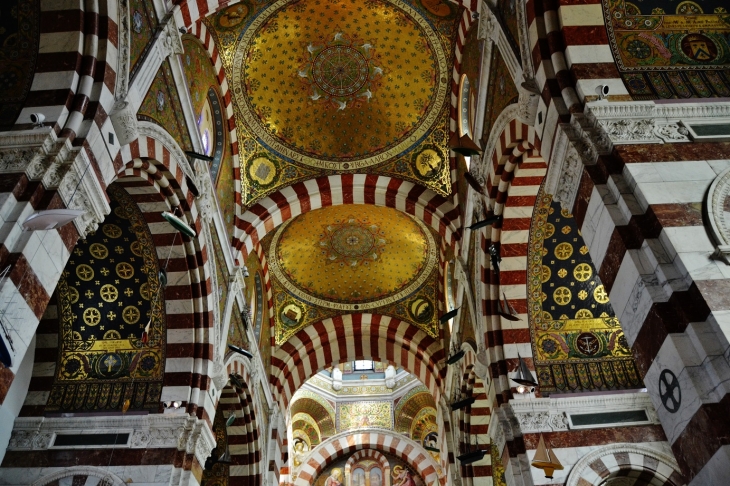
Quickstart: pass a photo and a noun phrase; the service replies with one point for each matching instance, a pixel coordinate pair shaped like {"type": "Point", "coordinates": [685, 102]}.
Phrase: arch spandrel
{"type": "Point", "coordinates": [577, 340]}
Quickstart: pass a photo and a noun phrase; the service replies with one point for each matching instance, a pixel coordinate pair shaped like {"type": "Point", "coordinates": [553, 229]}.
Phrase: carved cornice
{"type": "Point", "coordinates": [182, 432]}
{"type": "Point", "coordinates": [648, 122]}
{"type": "Point", "coordinates": [153, 130]}
{"type": "Point", "coordinates": [550, 414]}
{"type": "Point", "coordinates": [122, 74]}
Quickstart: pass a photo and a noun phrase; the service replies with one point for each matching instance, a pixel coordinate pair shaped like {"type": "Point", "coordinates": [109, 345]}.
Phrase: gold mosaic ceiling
{"type": "Point", "coordinates": [353, 257]}
{"type": "Point", "coordinates": [322, 87]}
{"type": "Point", "coordinates": [331, 84]}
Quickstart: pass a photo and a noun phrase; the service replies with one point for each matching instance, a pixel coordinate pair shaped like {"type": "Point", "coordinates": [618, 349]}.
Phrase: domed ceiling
{"type": "Point", "coordinates": [352, 258]}
{"type": "Point", "coordinates": [323, 87]}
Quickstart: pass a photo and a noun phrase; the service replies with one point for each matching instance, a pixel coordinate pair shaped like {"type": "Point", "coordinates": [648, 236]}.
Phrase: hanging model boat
{"type": "Point", "coordinates": [507, 311]}
{"type": "Point", "coordinates": [546, 459]}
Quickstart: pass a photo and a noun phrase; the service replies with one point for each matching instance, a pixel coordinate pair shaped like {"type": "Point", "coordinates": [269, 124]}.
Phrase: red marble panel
{"type": "Point", "coordinates": [594, 437]}
{"type": "Point", "coordinates": [678, 214]}
{"type": "Point", "coordinates": [716, 293]}
{"type": "Point", "coordinates": [670, 152]}
{"type": "Point", "coordinates": [6, 379]}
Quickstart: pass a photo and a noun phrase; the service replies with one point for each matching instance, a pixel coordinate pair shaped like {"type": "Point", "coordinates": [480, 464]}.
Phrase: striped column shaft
{"type": "Point", "coordinates": [653, 253]}
{"type": "Point", "coordinates": [351, 337]}
{"type": "Point", "coordinates": [44, 364]}
{"type": "Point", "coordinates": [516, 173]}
{"type": "Point", "coordinates": [291, 201]}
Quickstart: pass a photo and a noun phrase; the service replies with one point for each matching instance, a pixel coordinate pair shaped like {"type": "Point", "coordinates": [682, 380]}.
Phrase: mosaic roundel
{"type": "Point", "coordinates": [336, 87]}
{"type": "Point", "coordinates": [353, 258]}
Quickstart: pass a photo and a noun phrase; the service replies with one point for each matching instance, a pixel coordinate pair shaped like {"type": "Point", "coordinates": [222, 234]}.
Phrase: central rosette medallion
{"type": "Point", "coordinates": [338, 85]}
{"type": "Point", "coordinates": [352, 242]}
{"type": "Point", "coordinates": [341, 72]}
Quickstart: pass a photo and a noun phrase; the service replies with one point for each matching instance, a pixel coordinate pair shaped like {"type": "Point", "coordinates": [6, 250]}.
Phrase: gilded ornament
{"type": "Point", "coordinates": [584, 313]}
{"type": "Point", "coordinates": [563, 251]}
{"type": "Point", "coordinates": [565, 213]}
{"type": "Point", "coordinates": [98, 251]}
{"type": "Point", "coordinates": [421, 310]}
{"type": "Point", "coordinates": [108, 292]}
{"type": "Point", "coordinates": [582, 295]}
{"type": "Point", "coordinates": [92, 316]}
{"type": "Point", "coordinates": [136, 248]}
{"type": "Point", "coordinates": [562, 295]}
{"type": "Point", "coordinates": [112, 334]}
{"type": "Point", "coordinates": [583, 250]}
{"type": "Point", "coordinates": [73, 295]}
{"type": "Point", "coordinates": [130, 314]}
{"type": "Point", "coordinates": [565, 230]}
{"type": "Point", "coordinates": [125, 270]}
{"type": "Point", "coordinates": [549, 230]}
{"type": "Point", "coordinates": [427, 163]}
{"type": "Point", "coordinates": [263, 171]}
{"type": "Point", "coordinates": [599, 293]}
{"type": "Point", "coordinates": [562, 273]}
{"type": "Point", "coordinates": [144, 291]}
{"type": "Point", "coordinates": [112, 230]}
{"type": "Point", "coordinates": [582, 272]}
{"type": "Point", "coordinates": [84, 272]}
{"type": "Point", "coordinates": [545, 273]}
{"type": "Point", "coordinates": [291, 315]}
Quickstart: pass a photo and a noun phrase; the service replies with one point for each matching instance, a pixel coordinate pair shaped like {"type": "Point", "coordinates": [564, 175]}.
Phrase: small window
{"type": "Point", "coordinates": [363, 365]}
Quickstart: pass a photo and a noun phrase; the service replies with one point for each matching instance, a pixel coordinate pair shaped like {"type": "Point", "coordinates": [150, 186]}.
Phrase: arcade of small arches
{"type": "Point", "coordinates": [386, 243]}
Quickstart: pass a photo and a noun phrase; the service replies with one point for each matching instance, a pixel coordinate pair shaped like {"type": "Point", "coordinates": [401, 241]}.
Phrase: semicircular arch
{"type": "Point", "coordinates": [346, 442]}
{"type": "Point", "coordinates": [352, 337]}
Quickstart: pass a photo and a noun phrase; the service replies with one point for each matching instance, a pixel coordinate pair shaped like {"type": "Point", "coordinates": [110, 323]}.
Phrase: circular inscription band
{"type": "Point", "coordinates": [340, 71]}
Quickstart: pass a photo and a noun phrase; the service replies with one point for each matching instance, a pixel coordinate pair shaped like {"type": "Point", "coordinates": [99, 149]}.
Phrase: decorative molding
{"type": "Point", "coordinates": [180, 431]}
{"type": "Point", "coordinates": [107, 478]}
{"type": "Point", "coordinates": [715, 207]}
{"type": "Point", "coordinates": [152, 130]}
{"type": "Point", "coordinates": [80, 189]}
{"type": "Point", "coordinates": [549, 414]}
{"type": "Point", "coordinates": [583, 468]}
{"type": "Point", "coordinates": [650, 122]}
{"type": "Point", "coordinates": [508, 114]}
{"type": "Point", "coordinates": [123, 51]}
{"type": "Point", "coordinates": [206, 206]}
{"type": "Point", "coordinates": [564, 172]}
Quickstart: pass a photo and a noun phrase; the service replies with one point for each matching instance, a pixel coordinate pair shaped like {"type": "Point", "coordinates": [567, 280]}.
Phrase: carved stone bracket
{"type": "Point", "coordinates": [124, 122]}
{"type": "Point", "coordinates": [182, 432]}
{"type": "Point", "coordinates": [206, 205]}
{"type": "Point", "coordinates": [564, 171]}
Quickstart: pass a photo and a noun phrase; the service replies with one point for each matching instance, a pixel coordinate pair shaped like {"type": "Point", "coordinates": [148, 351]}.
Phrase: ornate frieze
{"type": "Point", "coordinates": [551, 415]}
{"type": "Point", "coordinates": [182, 432]}
{"type": "Point", "coordinates": [646, 121]}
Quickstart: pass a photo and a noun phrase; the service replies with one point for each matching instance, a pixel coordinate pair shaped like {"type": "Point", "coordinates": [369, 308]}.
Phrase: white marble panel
{"type": "Point", "coordinates": [16, 476]}
{"type": "Point", "coordinates": [588, 54]}
{"type": "Point", "coordinates": [520, 236]}
{"type": "Point", "coordinates": [180, 393]}
{"type": "Point", "coordinates": [580, 15]}
{"type": "Point", "coordinates": [684, 171]}
{"type": "Point", "coordinates": [670, 358]}
{"type": "Point", "coordinates": [672, 192]}
{"type": "Point", "coordinates": [700, 266]}
{"type": "Point", "coordinates": [36, 398]}
{"type": "Point", "coordinates": [719, 165]}
{"type": "Point", "coordinates": [598, 247]}
{"type": "Point", "coordinates": [689, 239]}
{"type": "Point", "coordinates": [179, 365]}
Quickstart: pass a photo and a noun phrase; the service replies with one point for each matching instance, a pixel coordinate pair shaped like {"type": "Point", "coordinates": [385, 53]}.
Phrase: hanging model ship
{"type": "Point", "coordinates": [546, 459]}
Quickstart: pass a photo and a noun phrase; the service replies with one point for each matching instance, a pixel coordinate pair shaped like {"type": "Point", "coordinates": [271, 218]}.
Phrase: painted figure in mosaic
{"type": "Point", "coordinates": [402, 477]}
{"type": "Point", "coordinates": [335, 478]}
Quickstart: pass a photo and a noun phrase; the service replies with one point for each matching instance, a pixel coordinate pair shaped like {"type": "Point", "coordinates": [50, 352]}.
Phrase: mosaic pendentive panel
{"type": "Point", "coordinates": [350, 259]}
{"type": "Point", "coordinates": [498, 471]}
{"type": "Point", "coordinates": [577, 340]}
{"type": "Point", "coordinates": [162, 105]}
{"type": "Point", "coordinates": [143, 22]}
{"type": "Point", "coordinates": [409, 406]}
{"type": "Point", "coordinates": [19, 37]}
{"type": "Point", "coordinates": [502, 92]}
{"type": "Point", "coordinates": [313, 405]}
{"type": "Point", "coordinates": [107, 295]}
{"type": "Point", "coordinates": [357, 415]}
{"type": "Point", "coordinates": [221, 270]}
{"type": "Point", "coordinates": [671, 50]}
{"type": "Point", "coordinates": [300, 103]}
{"type": "Point", "coordinates": [219, 473]}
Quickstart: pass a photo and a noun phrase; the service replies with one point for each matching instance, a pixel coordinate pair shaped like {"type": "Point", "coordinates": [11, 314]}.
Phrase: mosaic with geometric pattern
{"type": "Point", "coordinates": [107, 294]}
{"type": "Point", "coordinates": [577, 340]}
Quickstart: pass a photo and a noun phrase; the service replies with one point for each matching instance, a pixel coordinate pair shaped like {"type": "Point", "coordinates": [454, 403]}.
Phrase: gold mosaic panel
{"type": "Point", "coordinates": [358, 415]}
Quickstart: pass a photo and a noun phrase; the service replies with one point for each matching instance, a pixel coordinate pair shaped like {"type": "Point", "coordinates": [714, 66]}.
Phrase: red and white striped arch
{"type": "Point", "coordinates": [368, 454]}
{"type": "Point", "coordinates": [385, 441]}
{"type": "Point", "coordinates": [155, 180]}
{"type": "Point", "coordinates": [351, 337]}
{"type": "Point", "coordinates": [516, 171]}
{"type": "Point", "coordinates": [287, 203]}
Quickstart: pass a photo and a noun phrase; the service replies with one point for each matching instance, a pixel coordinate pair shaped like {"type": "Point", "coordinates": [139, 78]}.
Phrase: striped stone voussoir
{"type": "Point", "coordinates": [379, 439]}
{"type": "Point", "coordinates": [353, 337]}
{"type": "Point", "coordinates": [368, 454]}
{"type": "Point", "coordinates": [287, 203]}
